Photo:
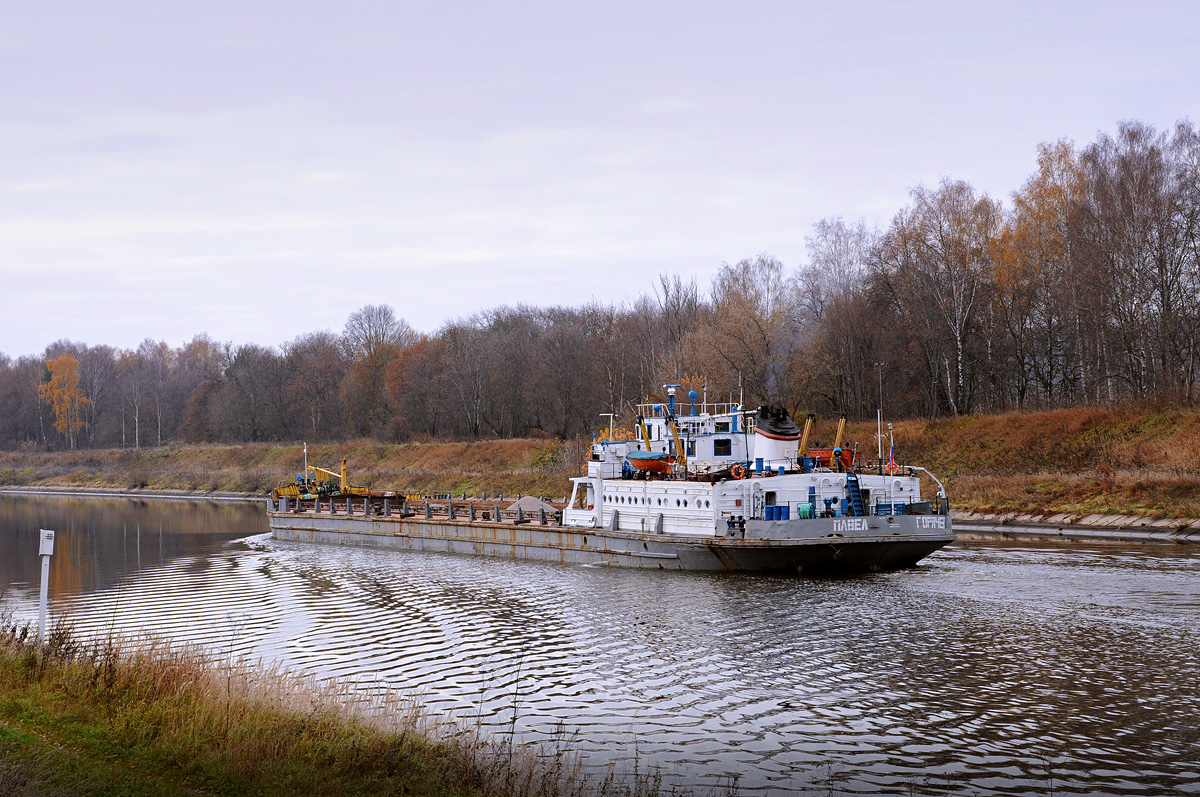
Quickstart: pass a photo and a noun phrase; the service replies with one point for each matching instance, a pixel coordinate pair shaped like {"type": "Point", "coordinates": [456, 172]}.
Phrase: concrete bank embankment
{"type": "Point", "coordinates": [105, 492]}
{"type": "Point", "coordinates": [1102, 529]}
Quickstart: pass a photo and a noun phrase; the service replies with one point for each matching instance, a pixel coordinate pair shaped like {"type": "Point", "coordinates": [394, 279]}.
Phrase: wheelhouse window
{"type": "Point", "coordinates": [722, 447]}
{"type": "Point", "coordinates": [722, 426]}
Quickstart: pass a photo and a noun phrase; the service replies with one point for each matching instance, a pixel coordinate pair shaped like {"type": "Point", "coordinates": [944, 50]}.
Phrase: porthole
{"type": "Point", "coordinates": [685, 503]}
{"type": "Point", "coordinates": [706, 503]}
{"type": "Point", "coordinates": [676, 502]}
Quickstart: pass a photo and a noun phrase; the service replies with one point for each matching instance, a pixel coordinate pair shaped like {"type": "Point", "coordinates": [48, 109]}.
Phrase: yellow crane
{"type": "Point", "coordinates": [307, 485]}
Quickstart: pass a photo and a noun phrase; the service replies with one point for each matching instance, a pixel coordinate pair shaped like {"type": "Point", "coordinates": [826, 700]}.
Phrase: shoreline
{"type": "Point", "coordinates": [1105, 529]}
{"type": "Point", "coordinates": [115, 492]}
{"type": "Point", "coordinates": [969, 526]}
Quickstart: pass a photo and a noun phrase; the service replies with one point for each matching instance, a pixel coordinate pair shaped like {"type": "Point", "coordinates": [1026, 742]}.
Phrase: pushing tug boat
{"type": "Point", "coordinates": [719, 488]}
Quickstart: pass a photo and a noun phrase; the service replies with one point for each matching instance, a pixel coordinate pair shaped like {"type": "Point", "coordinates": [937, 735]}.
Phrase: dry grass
{"type": "Point", "coordinates": [1100, 493]}
{"type": "Point", "coordinates": [1141, 461]}
{"type": "Point", "coordinates": [1114, 460]}
{"type": "Point", "coordinates": [510, 466]}
{"type": "Point", "coordinates": [118, 718]}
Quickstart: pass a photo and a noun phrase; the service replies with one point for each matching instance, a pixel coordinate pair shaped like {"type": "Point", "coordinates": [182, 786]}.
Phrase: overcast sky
{"type": "Point", "coordinates": [260, 170]}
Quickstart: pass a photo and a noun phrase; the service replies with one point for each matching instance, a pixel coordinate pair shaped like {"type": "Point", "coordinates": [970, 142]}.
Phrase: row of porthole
{"type": "Point", "coordinates": [659, 501]}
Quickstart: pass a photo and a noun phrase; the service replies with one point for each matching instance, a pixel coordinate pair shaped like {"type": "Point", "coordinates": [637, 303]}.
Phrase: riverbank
{"type": "Point", "coordinates": [103, 718]}
{"type": "Point", "coordinates": [113, 492]}
{"type": "Point", "coordinates": [1112, 462]}
{"type": "Point", "coordinates": [1108, 461]}
{"type": "Point", "coordinates": [1096, 529]}
{"type": "Point", "coordinates": [526, 466]}
{"type": "Point", "coordinates": [983, 526]}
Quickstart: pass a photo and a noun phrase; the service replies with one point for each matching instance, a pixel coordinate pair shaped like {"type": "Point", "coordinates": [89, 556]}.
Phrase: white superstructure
{"type": "Point", "coordinates": [739, 466]}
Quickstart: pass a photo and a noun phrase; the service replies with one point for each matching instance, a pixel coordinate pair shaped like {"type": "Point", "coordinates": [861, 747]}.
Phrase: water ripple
{"type": "Point", "coordinates": [992, 670]}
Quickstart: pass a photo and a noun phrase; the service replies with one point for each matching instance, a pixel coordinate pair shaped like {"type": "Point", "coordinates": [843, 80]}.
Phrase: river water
{"type": "Point", "coordinates": [990, 669]}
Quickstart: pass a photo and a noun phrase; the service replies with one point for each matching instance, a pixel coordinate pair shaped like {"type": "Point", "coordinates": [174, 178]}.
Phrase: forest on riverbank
{"type": "Point", "coordinates": [1080, 292]}
{"type": "Point", "coordinates": [1123, 461]}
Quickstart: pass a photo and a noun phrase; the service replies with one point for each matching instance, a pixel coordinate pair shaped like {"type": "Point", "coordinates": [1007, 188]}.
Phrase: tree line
{"type": "Point", "coordinates": [1083, 290]}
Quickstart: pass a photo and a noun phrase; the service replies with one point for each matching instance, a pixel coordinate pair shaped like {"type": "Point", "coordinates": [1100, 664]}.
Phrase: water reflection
{"type": "Point", "coordinates": [100, 540]}
{"type": "Point", "coordinates": [990, 670]}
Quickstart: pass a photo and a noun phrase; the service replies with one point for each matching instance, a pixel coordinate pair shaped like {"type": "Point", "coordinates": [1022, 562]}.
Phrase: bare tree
{"type": "Point", "coordinates": [752, 329]}
{"type": "Point", "coordinates": [372, 338]}
{"type": "Point", "coordinates": [938, 259]}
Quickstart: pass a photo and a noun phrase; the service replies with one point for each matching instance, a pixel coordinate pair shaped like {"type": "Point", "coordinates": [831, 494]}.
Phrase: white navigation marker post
{"type": "Point", "coordinates": [45, 551]}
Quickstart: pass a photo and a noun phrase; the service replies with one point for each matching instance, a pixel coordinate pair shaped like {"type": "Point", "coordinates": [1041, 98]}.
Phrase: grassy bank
{"type": "Point", "coordinates": [111, 720]}
{"type": "Point", "coordinates": [1122, 461]}
{"type": "Point", "coordinates": [539, 467]}
{"type": "Point", "coordinates": [1086, 461]}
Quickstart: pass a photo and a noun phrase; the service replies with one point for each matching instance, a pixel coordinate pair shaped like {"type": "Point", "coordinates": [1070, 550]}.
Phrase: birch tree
{"type": "Point", "coordinates": [66, 399]}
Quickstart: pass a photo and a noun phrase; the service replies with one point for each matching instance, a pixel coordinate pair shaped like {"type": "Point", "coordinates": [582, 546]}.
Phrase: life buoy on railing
{"type": "Point", "coordinates": [891, 469]}
{"type": "Point", "coordinates": [737, 471]}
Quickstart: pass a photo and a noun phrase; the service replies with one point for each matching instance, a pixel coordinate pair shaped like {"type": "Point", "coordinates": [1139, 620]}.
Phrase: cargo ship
{"type": "Point", "coordinates": [717, 488]}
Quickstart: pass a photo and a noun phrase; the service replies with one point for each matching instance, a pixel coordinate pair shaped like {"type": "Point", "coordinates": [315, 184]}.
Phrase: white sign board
{"type": "Point", "coordinates": [47, 548]}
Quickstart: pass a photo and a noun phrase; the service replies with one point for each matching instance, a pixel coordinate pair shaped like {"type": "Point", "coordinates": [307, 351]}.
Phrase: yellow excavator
{"type": "Point", "coordinates": [308, 485]}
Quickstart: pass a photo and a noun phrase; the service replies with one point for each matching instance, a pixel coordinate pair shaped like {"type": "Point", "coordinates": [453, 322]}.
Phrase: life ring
{"type": "Point", "coordinates": [891, 469]}
{"type": "Point", "coordinates": [737, 471]}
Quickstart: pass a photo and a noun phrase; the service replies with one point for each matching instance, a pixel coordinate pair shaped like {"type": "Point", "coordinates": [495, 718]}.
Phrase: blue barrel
{"type": "Point", "coordinates": [786, 512]}
{"type": "Point", "coordinates": [770, 513]}
{"type": "Point", "coordinates": [780, 470]}
{"type": "Point", "coordinates": [758, 465]}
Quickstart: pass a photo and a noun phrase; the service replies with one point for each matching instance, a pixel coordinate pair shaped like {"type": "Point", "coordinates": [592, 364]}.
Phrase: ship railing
{"type": "Point", "coordinates": [943, 501]}
{"type": "Point", "coordinates": [438, 507]}
{"type": "Point", "coordinates": [683, 409]}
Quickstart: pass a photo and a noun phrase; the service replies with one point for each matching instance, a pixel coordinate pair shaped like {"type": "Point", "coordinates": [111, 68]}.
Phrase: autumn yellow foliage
{"type": "Point", "coordinates": [65, 397]}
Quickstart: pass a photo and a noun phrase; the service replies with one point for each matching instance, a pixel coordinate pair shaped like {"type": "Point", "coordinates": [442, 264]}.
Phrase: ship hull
{"type": "Point", "coordinates": [806, 546]}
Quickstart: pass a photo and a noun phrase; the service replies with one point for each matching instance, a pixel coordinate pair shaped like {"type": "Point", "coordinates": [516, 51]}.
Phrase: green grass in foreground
{"type": "Point", "coordinates": [116, 719]}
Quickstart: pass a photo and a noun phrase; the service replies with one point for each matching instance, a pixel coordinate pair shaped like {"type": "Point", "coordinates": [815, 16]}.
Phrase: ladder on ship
{"type": "Point", "coordinates": [854, 490]}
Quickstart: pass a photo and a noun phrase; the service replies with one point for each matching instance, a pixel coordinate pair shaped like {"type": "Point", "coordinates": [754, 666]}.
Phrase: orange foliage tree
{"type": "Point", "coordinates": [65, 397]}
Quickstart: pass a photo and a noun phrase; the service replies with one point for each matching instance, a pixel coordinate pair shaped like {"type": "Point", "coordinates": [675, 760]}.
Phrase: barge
{"type": "Point", "coordinates": [742, 493]}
